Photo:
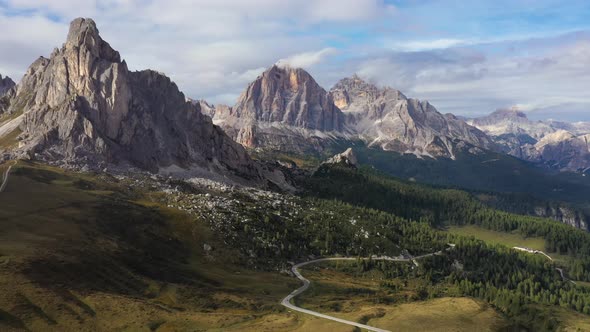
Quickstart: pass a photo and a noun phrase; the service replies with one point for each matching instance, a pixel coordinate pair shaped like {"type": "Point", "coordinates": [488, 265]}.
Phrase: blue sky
{"type": "Point", "coordinates": [466, 57]}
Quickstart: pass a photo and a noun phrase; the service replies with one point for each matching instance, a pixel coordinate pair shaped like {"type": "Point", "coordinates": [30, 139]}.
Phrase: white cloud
{"type": "Point", "coordinates": [208, 47]}
{"type": "Point", "coordinates": [347, 10]}
{"type": "Point", "coordinates": [212, 49]}
{"type": "Point", "coordinates": [306, 59]}
{"type": "Point", "coordinates": [463, 82]}
{"type": "Point", "coordinates": [23, 39]}
{"type": "Point", "coordinates": [422, 45]}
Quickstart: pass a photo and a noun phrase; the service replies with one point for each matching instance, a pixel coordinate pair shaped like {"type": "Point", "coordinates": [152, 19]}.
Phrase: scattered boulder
{"type": "Point", "coordinates": [347, 158]}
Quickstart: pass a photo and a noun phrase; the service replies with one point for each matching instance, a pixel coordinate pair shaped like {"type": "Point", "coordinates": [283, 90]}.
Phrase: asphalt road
{"type": "Point", "coordinates": [532, 251]}
{"type": "Point", "coordinates": [295, 269]}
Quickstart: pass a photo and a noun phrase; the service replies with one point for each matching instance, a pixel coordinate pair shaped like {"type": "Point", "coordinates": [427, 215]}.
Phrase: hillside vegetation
{"type": "Point", "coordinates": [180, 256]}
{"type": "Point", "coordinates": [444, 207]}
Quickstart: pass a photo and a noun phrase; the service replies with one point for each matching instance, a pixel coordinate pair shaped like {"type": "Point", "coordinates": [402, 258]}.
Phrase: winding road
{"type": "Point", "coordinates": [533, 251]}
{"type": "Point", "coordinates": [295, 269]}
{"type": "Point", "coordinates": [5, 178]}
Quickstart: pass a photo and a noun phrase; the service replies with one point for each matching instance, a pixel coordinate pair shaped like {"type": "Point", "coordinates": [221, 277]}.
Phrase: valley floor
{"type": "Point", "coordinates": [93, 252]}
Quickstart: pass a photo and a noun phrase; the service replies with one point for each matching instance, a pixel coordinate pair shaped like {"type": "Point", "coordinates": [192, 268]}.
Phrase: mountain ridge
{"type": "Point", "coordinates": [285, 109]}
{"type": "Point", "coordinates": [552, 144]}
{"type": "Point", "coordinates": [83, 106]}
{"type": "Point", "coordinates": [386, 118]}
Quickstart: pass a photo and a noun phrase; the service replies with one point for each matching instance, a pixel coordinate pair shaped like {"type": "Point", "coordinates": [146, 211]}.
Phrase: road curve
{"type": "Point", "coordinates": [287, 300]}
{"type": "Point", "coordinates": [533, 251]}
{"type": "Point", "coordinates": [5, 179]}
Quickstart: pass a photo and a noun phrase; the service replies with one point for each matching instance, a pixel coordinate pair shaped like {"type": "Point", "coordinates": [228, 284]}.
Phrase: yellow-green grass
{"type": "Point", "coordinates": [81, 253]}
{"type": "Point", "coordinates": [568, 320]}
{"type": "Point", "coordinates": [304, 162]}
{"type": "Point", "coordinates": [572, 321]}
{"type": "Point", "coordinates": [300, 162]}
{"type": "Point", "coordinates": [583, 283]}
{"type": "Point", "coordinates": [506, 239]}
{"type": "Point", "coordinates": [4, 118]}
{"type": "Point", "coordinates": [493, 237]}
{"type": "Point", "coordinates": [69, 262]}
{"type": "Point", "coordinates": [361, 297]}
{"type": "Point", "coordinates": [9, 140]}
{"type": "Point", "coordinates": [443, 314]}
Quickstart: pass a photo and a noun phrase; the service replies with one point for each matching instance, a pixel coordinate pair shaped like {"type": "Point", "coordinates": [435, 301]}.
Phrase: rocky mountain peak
{"type": "Point", "coordinates": [511, 121]}
{"type": "Point", "coordinates": [354, 89]}
{"type": "Point", "coordinates": [84, 34]}
{"type": "Point", "coordinates": [82, 31]}
{"type": "Point", "coordinates": [502, 115]}
{"type": "Point", "coordinates": [82, 106]}
{"type": "Point", "coordinates": [286, 109]}
{"type": "Point", "coordinates": [509, 113]}
{"type": "Point", "coordinates": [6, 83]}
{"type": "Point", "coordinates": [282, 96]}
{"type": "Point", "coordinates": [555, 138]}
{"type": "Point", "coordinates": [386, 118]}
{"type": "Point", "coordinates": [289, 78]}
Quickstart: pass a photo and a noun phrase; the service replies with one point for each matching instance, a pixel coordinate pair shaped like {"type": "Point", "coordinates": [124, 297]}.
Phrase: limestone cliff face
{"type": "Point", "coordinates": [355, 95]}
{"type": "Point", "coordinates": [384, 117]}
{"type": "Point", "coordinates": [511, 121]}
{"type": "Point", "coordinates": [289, 96]}
{"type": "Point", "coordinates": [563, 214]}
{"type": "Point", "coordinates": [562, 150]}
{"type": "Point", "coordinates": [283, 108]}
{"type": "Point", "coordinates": [82, 105]}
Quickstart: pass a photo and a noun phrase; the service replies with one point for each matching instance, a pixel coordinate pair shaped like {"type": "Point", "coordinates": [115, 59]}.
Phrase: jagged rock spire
{"type": "Point", "coordinates": [83, 33]}
{"type": "Point", "coordinates": [6, 83]}
{"type": "Point", "coordinates": [82, 105]}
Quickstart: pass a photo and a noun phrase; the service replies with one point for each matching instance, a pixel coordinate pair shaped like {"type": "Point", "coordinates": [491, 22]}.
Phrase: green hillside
{"type": "Point", "coordinates": [77, 247]}
{"type": "Point", "coordinates": [487, 171]}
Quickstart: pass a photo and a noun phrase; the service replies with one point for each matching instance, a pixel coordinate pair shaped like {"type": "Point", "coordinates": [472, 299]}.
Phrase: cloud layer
{"type": "Point", "coordinates": [467, 59]}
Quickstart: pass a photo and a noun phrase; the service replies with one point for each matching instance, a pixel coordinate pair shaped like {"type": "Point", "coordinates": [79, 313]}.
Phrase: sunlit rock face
{"type": "Point", "coordinates": [386, 118]}
{"type": "Point", "coordinates": [83, 105]}
{"type": "Point", "coordinates": [285, 109]}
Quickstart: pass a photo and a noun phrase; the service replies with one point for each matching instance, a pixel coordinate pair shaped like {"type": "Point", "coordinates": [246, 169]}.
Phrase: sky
{"type": "Point", "coordinates": [466, 57]}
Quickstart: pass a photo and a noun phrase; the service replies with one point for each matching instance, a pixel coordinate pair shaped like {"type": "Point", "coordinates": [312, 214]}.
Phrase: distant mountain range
{"type": "Point", "coordinates": [554, 144]}
{"type": "Point", "coordinates": [286, 109]}
{"type": "Point", "coordinates": [82, 106]}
